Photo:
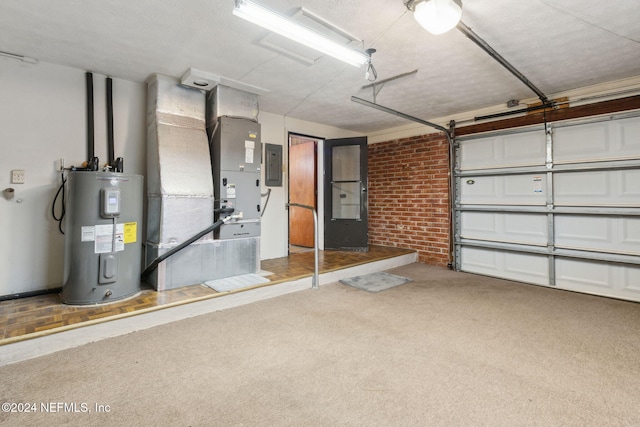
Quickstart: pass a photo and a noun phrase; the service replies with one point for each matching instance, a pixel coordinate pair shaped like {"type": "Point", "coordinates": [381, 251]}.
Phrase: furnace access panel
{"type": "Point", "coordinates": [236, 156]}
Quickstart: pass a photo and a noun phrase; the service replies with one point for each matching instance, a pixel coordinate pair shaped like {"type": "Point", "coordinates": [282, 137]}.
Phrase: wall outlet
{"type": "Point", "coordinates": [17, 176]}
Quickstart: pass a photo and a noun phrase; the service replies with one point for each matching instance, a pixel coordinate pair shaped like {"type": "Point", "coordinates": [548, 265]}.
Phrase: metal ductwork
{"type": "Point", "coordinates": [180, 192]}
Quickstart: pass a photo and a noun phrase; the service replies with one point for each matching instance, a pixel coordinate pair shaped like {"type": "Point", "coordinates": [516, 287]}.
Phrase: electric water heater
{"type": "Point", "coordinates": [103, 237]}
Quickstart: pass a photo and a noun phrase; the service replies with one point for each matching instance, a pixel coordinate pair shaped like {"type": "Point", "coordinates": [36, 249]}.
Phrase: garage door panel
{"type": "Point", "coordinates": [631, 232]}
{"type": "Point", "coordinates": [526, 149]}
{"type": "Point", "coordinates": [477, 153]}
{"type": "Point", "coordinates": [575, 274]}
{"type": "Point", "coordinates": [630, 282]}
{"type": "Point", "coordinates": [597, 188]}
{"type": "Point", "coordinates": [629, 131]}
{"type": "Point", "coordinates": [608, 140]}
{"type": "Point", "coordinates": [505, 227]}
{"type": "Point", "coordinates": [504, 190]}
{"type": "Point", "coordinates": [613, 234]}
{"type": "Point", "coordinates": [602, 278]}
{"type": "Point", "coordinates": [523, 267]}
{"type": "Point", "coordinates": [580, 143]}
{"type": "Point", "coordinates": [572, 222]}
{"type": "Point", "coordinates": [630, 186]}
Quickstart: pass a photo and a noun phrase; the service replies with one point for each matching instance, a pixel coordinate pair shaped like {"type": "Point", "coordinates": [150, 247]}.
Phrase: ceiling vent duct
{"type": "Point", "coordinates": [206, 81]}
{"type": "Point", "coordinates": [199, 79]}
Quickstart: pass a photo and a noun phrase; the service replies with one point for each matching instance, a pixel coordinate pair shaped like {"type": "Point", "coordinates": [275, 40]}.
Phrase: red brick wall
{"type": "Point", "coordinates": [409, 196]}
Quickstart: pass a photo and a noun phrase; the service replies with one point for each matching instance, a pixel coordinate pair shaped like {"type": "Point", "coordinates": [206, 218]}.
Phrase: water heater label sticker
{"type": "Point", "coordinates": [119, 237]}
{"type": "Point", "coordinates": [87, 233]}
{"type": "Point", "coordinates": [104, 238]}
{"type": "Point", "coordinates": [130, 232]}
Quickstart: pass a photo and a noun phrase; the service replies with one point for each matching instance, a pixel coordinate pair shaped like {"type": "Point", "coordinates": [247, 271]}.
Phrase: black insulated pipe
{"type": "Point", "coordinates": [90, 125]}
{"type": "Point", "coordinates": [147, 271]}
{"type": "Point", "coordinates": [110, 144]}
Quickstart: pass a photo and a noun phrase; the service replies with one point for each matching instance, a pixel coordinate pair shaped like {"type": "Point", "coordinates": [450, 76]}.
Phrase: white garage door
{"type": "Point", "coordinates": [555, 206]}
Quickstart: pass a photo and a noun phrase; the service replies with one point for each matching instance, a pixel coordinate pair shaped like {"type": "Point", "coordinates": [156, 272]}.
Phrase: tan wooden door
{"type": "Point", "coordinates": [302, 190]}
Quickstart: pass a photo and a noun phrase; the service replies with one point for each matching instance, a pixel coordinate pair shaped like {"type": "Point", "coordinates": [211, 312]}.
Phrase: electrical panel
{"type": "Point", "coordinates": [273, 165]}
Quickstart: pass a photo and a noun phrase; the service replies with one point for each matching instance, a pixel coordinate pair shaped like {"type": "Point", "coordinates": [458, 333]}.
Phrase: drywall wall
{"type": "Point", "coordinates": [275, 225]}
{"type": "Point", "coordinates": [43, 119]}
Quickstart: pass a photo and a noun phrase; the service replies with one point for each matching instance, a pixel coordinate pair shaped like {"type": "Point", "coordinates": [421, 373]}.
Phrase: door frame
{"type": "Point", "coordinates": [318, 142]}
{"type": "Point", "coordinates": [337, 230]}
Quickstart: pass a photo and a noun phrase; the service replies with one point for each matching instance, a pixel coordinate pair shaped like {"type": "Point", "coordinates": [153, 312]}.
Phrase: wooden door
{"type": "Point", "coordinates": [302, 190]}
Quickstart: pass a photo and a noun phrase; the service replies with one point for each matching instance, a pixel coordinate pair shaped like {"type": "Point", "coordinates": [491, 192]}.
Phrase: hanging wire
{"type": "Point", "coordinates": [61, 192]}
{"type": "Point", "coordinates": [371, 74]}
{"type": "Point", "coordinates": [267, 195]}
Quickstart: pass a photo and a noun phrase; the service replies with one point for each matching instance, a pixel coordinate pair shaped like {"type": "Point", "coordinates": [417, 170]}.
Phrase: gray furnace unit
{"type": "Point", "coordinates": [235, 159]}
{"type": "Point", "coordinates": [103, 237]}
{"type": "Point", "coordinates": [186, 193]}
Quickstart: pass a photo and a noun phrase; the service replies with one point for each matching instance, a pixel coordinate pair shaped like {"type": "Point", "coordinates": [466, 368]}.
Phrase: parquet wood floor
{"type": "Point", "coordinates": [40, 315]}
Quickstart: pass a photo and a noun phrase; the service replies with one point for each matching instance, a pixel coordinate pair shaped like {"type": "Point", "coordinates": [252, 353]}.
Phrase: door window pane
{"type": "Point", "coordinates": [345, 163]}
{"type": "Point", "coordinates": [346, 200]}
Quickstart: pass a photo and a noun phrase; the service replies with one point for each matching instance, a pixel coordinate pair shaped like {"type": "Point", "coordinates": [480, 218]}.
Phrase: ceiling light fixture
{"type": "Point", "coordinates": [371, 74]}
{"type": "Point", "coordinates": [286, 27]}
{"type": "Point", "coordinates": [436, 16]}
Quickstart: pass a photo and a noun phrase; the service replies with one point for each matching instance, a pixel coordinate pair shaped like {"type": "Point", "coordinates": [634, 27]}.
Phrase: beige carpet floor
{"type": "Point", "coordinates": [448, 349]}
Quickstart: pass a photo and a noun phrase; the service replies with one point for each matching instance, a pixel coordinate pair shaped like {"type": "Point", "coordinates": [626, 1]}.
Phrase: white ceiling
{"type": "Point", "coordinates": [557, 44]}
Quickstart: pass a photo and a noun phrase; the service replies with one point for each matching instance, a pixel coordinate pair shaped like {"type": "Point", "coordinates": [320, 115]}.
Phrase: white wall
{"type": "Point", "coordinates": [43, 119]}
{"type": "Point", "coordinates": [275, 222]}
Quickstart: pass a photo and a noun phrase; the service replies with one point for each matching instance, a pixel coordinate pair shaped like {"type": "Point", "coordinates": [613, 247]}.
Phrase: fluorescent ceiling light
{"type": "Point", "coordinates": [437, 16]}
{"type": "Point", "coordinates": [290, 29]}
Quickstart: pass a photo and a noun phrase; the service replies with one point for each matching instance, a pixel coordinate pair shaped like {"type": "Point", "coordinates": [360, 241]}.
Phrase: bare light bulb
{"type": "Point", "coordinates": [438, 16]}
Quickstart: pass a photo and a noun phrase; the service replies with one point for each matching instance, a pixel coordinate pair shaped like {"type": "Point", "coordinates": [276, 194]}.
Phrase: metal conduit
{"type": "Point", "coordinates": [495, 55]}
{"type": "Point", "coordinates": [399, 114]}
{"type": "Point", "coordinates": [315, 281]}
